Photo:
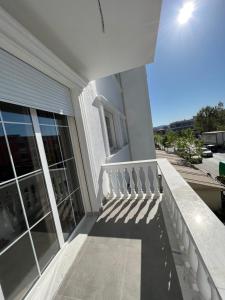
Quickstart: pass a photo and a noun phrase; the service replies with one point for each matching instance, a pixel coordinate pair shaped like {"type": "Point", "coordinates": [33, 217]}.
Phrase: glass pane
{"type": "Point", "coordinates": [65, 141]}
{"type": "Point", "coordinates": [77, 205]}
{"type": "Point", "coordinates": [18, 269]}
{"type": "Point", "coordinates": [15, 113]}
{"type": "Point", "coordinates": [59, 183]}
{"type": "Point", "coordinates": [45, 241]}
{"type": "Point", "coordinates": [71, 174]}
{"type": "Point", "coordinates": [51, 144]}
{"type": "Point", "coordinates": [108, 127]}
{"type": "Point", "coordinates": [12, 221]}
{"type": "Point", "coordinates": [6, 171]}
{"type": "Point", "coordinates": [67, 218]}
{"type": "Point", "coordinates": [61, 120]}
{"type": "Point", "coordinates": [23, 148]}
{"type": "Point", "coordinates": [35, 197]}
{"type": "Point", "coordinates": [46, 117]}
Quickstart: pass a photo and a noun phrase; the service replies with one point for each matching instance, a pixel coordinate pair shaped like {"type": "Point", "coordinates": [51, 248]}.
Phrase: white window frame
{"type": "Point", "coordinates": [123, 125]}
{"type": "Point", "coordinates": [105, 106]}
{"type": "Point", "coordinates": [114, 146]}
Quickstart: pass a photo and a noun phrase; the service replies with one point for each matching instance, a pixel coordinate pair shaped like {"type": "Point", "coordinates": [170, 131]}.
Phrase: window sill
{"type": "Point", "coordinates": [118, 152]}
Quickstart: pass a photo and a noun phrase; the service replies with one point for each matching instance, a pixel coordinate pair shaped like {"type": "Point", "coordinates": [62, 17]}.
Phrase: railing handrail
{"type": "Point", "coordinates": [209, 241]}
{"type": "Point", "coordinates": [205, 230]}
{"type": "Point", "coordinates": [130, 162]}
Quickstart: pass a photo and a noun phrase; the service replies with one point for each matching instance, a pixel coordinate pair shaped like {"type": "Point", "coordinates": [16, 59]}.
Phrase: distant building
{"type": "Point", "coordinates": [181, 125]}
{"type": "Point", "coordinates": [161, 129]}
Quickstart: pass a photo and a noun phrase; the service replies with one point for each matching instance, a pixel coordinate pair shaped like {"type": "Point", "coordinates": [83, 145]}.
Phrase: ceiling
{"type": "Point", "coordinates": [73, 30]}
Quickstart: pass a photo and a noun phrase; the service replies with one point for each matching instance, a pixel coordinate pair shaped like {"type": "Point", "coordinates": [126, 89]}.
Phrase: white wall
{"type": "Point", "coordinates": [110, 88]}
{"type": "Point", "coordinates": [93, 148]}
{"type": "Point", "coordinates": [138, 113]}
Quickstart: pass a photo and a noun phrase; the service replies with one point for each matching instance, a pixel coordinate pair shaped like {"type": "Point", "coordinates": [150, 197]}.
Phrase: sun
{"type": "Point", "coordinates": [185, 12]}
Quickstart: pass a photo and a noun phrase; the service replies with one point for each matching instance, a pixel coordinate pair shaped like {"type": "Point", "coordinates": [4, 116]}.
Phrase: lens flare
{"type": "Point", "coordinates": [186, 12]}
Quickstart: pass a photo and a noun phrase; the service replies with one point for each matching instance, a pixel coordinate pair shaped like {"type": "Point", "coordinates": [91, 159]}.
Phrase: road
{"type": "Point", "coordinates": [211, 165]}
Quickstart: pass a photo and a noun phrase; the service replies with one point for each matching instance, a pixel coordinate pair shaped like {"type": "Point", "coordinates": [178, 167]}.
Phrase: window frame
{"type": "Point", "coordinates": [113, 148]}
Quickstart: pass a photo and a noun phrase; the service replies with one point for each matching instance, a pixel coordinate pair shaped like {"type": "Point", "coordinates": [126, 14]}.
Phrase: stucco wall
{"type": "Point", "coordinates": [138, 112]}
{"type": "Point", "coordinates": [109, 88]}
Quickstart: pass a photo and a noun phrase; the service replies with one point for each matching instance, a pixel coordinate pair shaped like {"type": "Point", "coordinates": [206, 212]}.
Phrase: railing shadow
{"type": "Point", "coordinates": [142, 219]}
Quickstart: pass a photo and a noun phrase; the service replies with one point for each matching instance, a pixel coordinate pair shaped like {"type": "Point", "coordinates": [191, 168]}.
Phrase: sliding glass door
{"type": "Point", "coordinates": [28, 233]}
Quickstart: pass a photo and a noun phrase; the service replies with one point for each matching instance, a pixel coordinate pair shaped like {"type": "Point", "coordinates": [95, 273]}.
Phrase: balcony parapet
{"type": "Point", "coordinates": [200, 233]}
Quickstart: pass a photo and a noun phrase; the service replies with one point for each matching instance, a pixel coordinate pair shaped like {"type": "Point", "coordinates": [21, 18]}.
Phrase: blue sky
{"type": "Point", "coordinates": [188, 71]}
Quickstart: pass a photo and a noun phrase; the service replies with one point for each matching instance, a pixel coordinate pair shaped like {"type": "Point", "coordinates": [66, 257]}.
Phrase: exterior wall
{"type": "Point", "coordinates": [94, 146]}
{"type": "Point", "coordinates": [211, 197]}
{"type": "Point", "coordinates": [138, 113]}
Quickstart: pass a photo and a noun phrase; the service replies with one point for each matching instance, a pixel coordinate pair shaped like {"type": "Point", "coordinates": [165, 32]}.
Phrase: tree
{"type": "Point", "coordinates": [206, 119]}
{"type": "Point", "coordinates": [210, 118]}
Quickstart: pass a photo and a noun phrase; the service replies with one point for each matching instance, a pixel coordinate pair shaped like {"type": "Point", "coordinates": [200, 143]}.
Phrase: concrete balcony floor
{"type": "Point", "coordinates": [127, 255]}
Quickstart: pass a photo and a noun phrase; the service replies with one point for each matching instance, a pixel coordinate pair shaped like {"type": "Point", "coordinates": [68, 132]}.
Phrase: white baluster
{"type": "Point", "coordinates": [179, 230]}
{"type": "Point", "coordinates": [124, 182]}
{"type": "Point", "coordinates": [185, 239]}
{"type": "Point", "coordinates": [118, 183]}
{"type": "Point", "coordinates": [111, 186]}
{"type": "Point", "coordinates": [193, 260]}
{"type": "Point", "coordinates": [132, 185]}
{"type": "Point", "coordinates": [139, 183]}
{"type": "Point", "coordinates": [155, 182]}
{"type": "Point", "coordinates": [147, 182]}
{"type": "Point", "coordinates": [202, 281]}
{"type": "Point", "coordinates": [214, 293]}
{"type": "Point", "coordinates": [175, 215]}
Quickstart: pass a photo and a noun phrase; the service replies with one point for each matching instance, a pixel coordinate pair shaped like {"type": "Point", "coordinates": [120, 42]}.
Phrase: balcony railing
{"type": "Point", "coordinates": [200, 234]}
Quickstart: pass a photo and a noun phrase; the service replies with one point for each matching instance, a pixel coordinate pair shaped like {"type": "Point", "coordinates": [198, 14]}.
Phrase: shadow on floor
{"type": "Point", "coordinates": [126, 256]}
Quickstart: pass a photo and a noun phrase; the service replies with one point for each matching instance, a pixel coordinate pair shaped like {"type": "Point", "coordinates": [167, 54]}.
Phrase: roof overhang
{"type": "Point", "coordinates": [93, 45]}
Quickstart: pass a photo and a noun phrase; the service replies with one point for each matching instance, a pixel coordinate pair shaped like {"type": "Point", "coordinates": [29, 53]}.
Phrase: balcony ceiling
{"type": "Point", "coordinates": [72, 29]}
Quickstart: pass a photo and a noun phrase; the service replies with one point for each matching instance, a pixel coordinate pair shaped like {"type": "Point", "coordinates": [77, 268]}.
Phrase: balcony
{"type": "Point", "coordinates": [129, 252]}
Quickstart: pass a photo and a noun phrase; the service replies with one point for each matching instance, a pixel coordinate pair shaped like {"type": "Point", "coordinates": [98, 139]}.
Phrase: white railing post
{"type": "Point", "coordinates": [202, 281]}
{"type": "Point", "coordinates": [124, 182]}
{"type": "Point", "coordinates": [132, 185]}
{"type": "Point", "coordinates": [139, 183]}
{"type": "Point", "coordinates": [147, 182]}
{"type": "Point", "coordinates": [111, 187]}
{"type": "Point", "coordinates": [118, 183]}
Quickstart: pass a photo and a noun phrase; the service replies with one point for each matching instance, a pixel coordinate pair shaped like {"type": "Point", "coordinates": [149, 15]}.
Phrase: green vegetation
{"type": "Point", "coordinates": [210, 118]}
{"type": "Point", "coordinates": [185, 144]}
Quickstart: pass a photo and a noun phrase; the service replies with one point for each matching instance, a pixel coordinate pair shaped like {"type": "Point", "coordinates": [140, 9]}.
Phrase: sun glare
{"type": "Point", "coordinates": [186, 12]}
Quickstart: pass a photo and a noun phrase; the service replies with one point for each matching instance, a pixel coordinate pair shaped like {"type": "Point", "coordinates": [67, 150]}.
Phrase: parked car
{"type": "Point", "coordinates": [213, 148]}
{"type": "Point", "coordinates": [196, 159]}
{"type": "Point", "coordinates": [206, 152]}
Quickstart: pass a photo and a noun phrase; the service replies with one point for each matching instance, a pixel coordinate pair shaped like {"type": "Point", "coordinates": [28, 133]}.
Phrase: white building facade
{"type": "Point", "coordinates": [76, 128]}
{"type": "Point", "coordinates": [57, 130]}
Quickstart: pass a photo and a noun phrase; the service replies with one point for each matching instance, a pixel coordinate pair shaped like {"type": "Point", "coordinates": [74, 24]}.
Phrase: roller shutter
{"type": "Point", "coordinates": [24, 85]}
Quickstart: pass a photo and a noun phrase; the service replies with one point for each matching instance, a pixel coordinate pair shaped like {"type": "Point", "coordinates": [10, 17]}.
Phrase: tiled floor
{"type": "Point", "coordinates": [127, 255]}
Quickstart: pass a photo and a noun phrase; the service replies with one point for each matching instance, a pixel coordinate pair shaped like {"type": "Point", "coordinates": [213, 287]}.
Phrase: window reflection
{"type": "Point", "coordinates": [6, 171]}
{"type": "Point", "coordinates": [59, 183]}
{"type": "Point", "coordinates": [67, 218]}
{"type": "Point", "coordinates": [18, 269]}
{"type": "Point", "coordinates": [45, 117]}
{"type": "Point", "coordinates": [61, 120]}
{"type": "Point", "coordinates": [15, 113]}
{"type": "Point", "coordinates": [35, 197]}
{"type": "Point", "coordinates": [45, 241]}
{"type": "Point", "coordinates": [65, 141]}
{"type": "Point", "coordinates": [23, 148]}
{"type": "Point", "coordinates": [71, 174]}
{"type": "Point", "coordinates": [51, 144]}
{"type": "Point", "coordinates": [12, 221]}
{"type": "Point", "coordinates": [77, 205]}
